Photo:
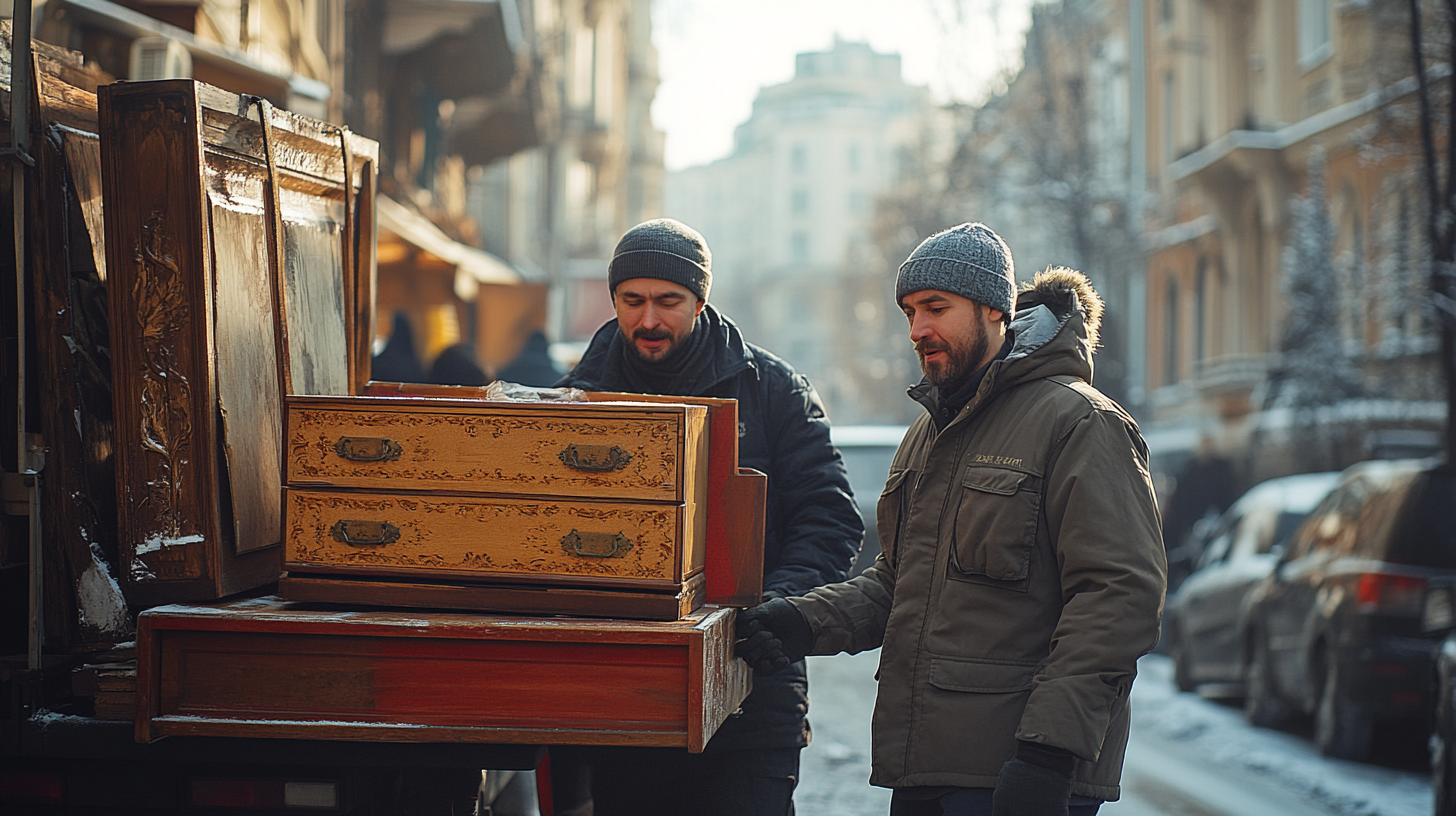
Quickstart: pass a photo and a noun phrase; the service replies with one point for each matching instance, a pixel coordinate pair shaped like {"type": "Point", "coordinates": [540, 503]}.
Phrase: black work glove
{"type": "Point", "coordinates": [772, 636]}
{"type": "Point", "coordinates": [1035, 782]}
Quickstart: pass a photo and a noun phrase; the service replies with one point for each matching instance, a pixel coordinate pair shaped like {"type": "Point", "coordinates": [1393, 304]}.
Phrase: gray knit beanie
{"type": "Point", "coordinates": [664, 249]}
{"type": "Point", "coordinates": [970, 260]}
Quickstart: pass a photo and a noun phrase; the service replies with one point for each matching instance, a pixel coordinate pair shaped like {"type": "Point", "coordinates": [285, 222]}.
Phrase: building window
{"type": "Point", "coordinates": [799, 202]}
{"type": "Point", "coordinates": [1314, 32]}
{"type": "Point", "coordinates": [1167, 15]}
{"type": "Point", "coordinates": [1168, 118]}
{"type": "Point", "coordinates": [1170, 333]}
{"type": "Point", "coordinates": [584, 68]}
{"type": "Point", "coordinates": [799, 247]}
{"type": "Point", "coordinates": [853, 158]}
{"type": "Point", "coordinates": [798, 158]}
{"type": "Point", "coordinates": [859, 203]}
{"type": "Point", "coordinates": [1200, 314]}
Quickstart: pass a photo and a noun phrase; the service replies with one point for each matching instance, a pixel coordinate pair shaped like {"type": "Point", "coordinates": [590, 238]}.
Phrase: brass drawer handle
{"type": "Point", "coordinates": [367, 449]}
{"type": "Point", "coordinates": [595, 458]}
{"type": "Point", "coordinates": [596, 545]}
{"type": "Point", "coordinates": [364, 533]}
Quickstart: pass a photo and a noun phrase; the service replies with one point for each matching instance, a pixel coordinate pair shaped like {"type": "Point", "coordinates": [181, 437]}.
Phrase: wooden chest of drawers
{"type": "Point", "coordinates": [241, 256]}
{"type": "Point", "coordinates": [498, 505]}
{"type": "Point", "coordinates": [266, 668]}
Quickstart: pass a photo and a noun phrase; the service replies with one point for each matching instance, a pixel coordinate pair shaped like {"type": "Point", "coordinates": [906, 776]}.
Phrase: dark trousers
{"type": "Point", "coordinates": [963, 802]}
{"type": "Point", "coordinates": [651, 781]}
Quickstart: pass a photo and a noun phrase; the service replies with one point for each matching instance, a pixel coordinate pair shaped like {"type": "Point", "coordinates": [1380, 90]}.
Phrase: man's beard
{"type": "Point", "coordinates": [674, 347]}
{"type": "Point", "coordinates": [961, 358]}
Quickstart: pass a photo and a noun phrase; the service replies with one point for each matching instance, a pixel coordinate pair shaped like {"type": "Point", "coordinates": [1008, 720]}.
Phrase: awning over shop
{"type": "Point", "coordinates": [477, 54]}
{"type": "Point", "coordinates": [403, 232]}
{"type": "Point", "coordinates": [214, 63]}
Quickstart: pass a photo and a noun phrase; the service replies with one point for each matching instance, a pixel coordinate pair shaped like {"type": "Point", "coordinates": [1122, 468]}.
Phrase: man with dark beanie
{"type": "Point", "coordinates": [1022, 572]}
{"type": "Point", "coordinates": [667, 339]}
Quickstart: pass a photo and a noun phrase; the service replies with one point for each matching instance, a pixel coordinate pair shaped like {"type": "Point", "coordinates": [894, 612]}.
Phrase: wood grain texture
{"type": "Point", "coordinates": [167, 500]}
{"type": "Point", "coordinates": [498, 447]}
{"type": "Point", "coordinates": [361, 283]}
{"type": "Point", "coordinates": [483, 537]}
{"type": "Point", "coordinates": [313, 293]}
{"type": "Point", "coordinates": [68, 342]}
{"type": "Point", "coordinates": [745, 501]}
{"type": "Point", "coordinates": [734, 522]}
{"type": "Point", "coordinates": [247, 386]}
{"type": "Point", "coordinates": [263, 668]}
{"type": "Point", "coordinates": [376, 388]}
{"type": "Point", "coordinates": [520, 600]}
{"type": "Point", "coordinates": [196, 410]}
{"type": "Point", "coordinates": [716, 678]}
{"type": "Point", "coordinates": [83, 157]}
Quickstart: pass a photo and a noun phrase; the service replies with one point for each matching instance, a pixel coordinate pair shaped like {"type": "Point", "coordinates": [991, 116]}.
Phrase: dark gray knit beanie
{"type": "Point", "coordinates": [664, 249]}
{"type": "Point", "coordinates": [970, 260]}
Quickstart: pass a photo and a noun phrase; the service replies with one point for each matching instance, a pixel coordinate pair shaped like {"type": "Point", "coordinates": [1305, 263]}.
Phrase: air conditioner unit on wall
{"type": "Point", "coordinates": [159, 58]}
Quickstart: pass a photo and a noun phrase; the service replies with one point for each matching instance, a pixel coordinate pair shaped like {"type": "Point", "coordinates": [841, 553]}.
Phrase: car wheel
{"type": "Point", "coordinates": [1441, 774]}
{"type": "Point", "coordinates": [1182, 668]}
{"type": "Point", "coordinates": [1341, 726]}
{"type": "Point", "coordinates": [1263, 706]}
{"type": "Point", "coordinates": [1443, 779]}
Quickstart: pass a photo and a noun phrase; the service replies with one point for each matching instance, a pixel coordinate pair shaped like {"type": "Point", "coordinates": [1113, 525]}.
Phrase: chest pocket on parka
{"type": "Point", "coordinates": [995, 523]}
{"type": "Point", "coordinates": [890, 509]}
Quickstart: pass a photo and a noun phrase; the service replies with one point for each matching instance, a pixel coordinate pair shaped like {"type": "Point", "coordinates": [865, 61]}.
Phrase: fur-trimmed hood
{"type": "Point", "coordinates": [1064, 291]}
{"type": "Point", "coordinates": [1058, 317]}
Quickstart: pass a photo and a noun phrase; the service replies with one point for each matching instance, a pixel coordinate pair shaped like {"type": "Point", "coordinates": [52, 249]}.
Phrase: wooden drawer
{"type": "Point", "coordinates": [563, 541]}
{"type": "Point", "coordinates": [264, 668]}
{"type": "Point", "coordinates": [639, 452]}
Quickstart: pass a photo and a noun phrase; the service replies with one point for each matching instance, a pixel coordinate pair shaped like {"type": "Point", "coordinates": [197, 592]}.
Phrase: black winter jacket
{"type": "Point", "coordinates": [813, 529]}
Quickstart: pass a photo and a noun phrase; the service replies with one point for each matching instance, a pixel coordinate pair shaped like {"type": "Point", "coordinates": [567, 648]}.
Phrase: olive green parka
{"type": "Point", "coordinates": [1022, 573]}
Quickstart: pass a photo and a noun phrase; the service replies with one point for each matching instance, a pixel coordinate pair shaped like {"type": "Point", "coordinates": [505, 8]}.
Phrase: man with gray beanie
{"type": "Point", "coordinates": [667, 339]}
{"type": "Point", "coordinates": [1022, 572]}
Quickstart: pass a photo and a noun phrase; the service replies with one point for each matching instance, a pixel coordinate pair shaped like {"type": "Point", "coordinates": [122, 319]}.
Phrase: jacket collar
{"type": "Point", "coordinates": [600, 368]}
{"type": "Point", "coordinates": [1053, 334]}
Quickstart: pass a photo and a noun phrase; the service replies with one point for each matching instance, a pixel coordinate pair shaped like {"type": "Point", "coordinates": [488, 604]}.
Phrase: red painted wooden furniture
{"type": "Point", "coordinates": [268, 668]}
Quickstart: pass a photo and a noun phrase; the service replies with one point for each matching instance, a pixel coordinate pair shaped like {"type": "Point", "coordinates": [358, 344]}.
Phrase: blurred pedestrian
{"type": "Point", "coordinates": [533, 366]}
{"type": "Point", "coordinates": [455, 365]}
{"type": "Point", "coordinates": [397, 361]}
{"type": "Point", "coordinates": [667, 339]}
{"type": "Point", "coordinates": [1022, 571]}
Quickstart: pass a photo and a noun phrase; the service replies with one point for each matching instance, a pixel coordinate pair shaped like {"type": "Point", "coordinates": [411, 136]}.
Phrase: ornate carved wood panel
{"type": "Point", "coordinates": [199, 358]}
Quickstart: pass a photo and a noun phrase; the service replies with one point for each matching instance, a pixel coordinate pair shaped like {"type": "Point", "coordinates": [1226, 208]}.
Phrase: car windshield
{"type": "Point", "coordinates": [1284, 527]}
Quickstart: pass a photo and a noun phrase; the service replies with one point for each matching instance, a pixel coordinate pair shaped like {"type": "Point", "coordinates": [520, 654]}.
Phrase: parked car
{"type": "Point", "coordinates": [1202, 622]}
{"type": "Point", "coordinates": [1335, 629]}
{"type": "Point", "coordinates": [868, 451]}
{"type": "Point", "coordinates": [1438, 616]}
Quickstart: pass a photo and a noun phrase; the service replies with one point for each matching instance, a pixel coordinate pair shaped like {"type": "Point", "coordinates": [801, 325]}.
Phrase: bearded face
{"type": "Point", "coordinates": [655, 316]}
{"type": "Point", "coordinates": [948, 360]}
{"type": "Point", "coordinates": [952, 334]}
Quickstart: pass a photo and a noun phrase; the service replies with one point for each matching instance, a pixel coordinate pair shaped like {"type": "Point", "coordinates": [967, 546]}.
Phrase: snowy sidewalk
{"type": "Point", "coordinates": [1221, 736]}
{"type": "Point", "coordinates": [1187, 757]}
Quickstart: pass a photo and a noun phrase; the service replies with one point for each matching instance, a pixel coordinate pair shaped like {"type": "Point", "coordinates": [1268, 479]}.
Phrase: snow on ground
{"type": "Point", "coordinates": [1221, 735]}
{"type": "Point", "coordinates": [1203, 757]}
{"type": "Point", "coordinates": [834, 770]}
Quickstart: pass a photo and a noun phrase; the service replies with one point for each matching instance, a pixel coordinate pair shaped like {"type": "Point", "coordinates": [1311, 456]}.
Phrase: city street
{"type": "Point", "coordinates": [1187, 757]}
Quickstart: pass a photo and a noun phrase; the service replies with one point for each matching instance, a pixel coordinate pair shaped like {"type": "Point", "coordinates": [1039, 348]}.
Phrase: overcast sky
{"type": "Point", "coordinates": [716, 54]}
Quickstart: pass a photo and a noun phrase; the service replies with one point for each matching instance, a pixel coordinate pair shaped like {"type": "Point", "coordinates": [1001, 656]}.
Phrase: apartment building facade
{"type": "Point", "coordinates": [1270, 124]}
